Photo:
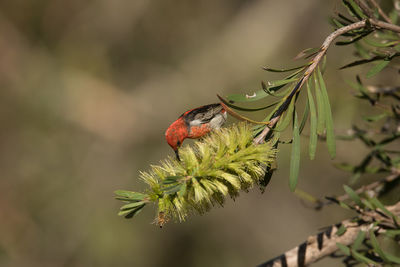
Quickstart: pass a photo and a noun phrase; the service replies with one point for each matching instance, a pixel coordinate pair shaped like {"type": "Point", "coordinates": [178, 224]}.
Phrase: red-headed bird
{"type": "Point", "coordinates": [195, 123]}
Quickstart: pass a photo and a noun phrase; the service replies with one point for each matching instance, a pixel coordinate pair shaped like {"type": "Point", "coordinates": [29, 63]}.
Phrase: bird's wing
{"type": "Point", "coordinates": [202, 114]}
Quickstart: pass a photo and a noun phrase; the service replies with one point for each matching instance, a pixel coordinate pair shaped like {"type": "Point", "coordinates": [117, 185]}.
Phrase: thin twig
{"type": "Point", "coordinates": [316, 60]}
{"type": "Point", "coordinates": [324, 244]}
{"type": "Point", "coordinates": [380, 11]}
{"type": "Point", "coordinates": [374, 188]}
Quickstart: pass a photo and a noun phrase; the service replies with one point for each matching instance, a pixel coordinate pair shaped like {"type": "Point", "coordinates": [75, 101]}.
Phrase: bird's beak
{"type": "Point", "coordinates": [177, 155]}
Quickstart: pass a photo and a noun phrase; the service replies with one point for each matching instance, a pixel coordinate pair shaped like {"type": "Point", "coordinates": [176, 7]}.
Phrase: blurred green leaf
{"type": "Point", "coordinates": [288, 115]}
{"type": "Point", "coordinates": [342, 229]}
{"type": "Point", "coordinates": [330, 135]}
{"type": "Point", "coordinates": [385, 256]}
{"type": "Point", "coordinates": [245, 109]}
{"type": "Point", "coordinates": [377, 68]}
{"type": "Point", "coordinates": [320, 107]}
{"type": "Point", "coordinates": [129, 195]}
{"type": "Point", "coordinates": [132, 205]}
{"type": "Point", "coordinates": [375, 118]}
{"type": "Point", "coordinates": [374, 201]}
{"type": "Point", "coordinates": [283, 70]}
{"type": "Point", "coordinates": [359, 239]}
{"type": "Point", "coordinates": [361, 258]}
{"type": "Point", "coordinates": [295, 156]}
{"type": "Point", "coordinates": [380, 44]}
{"type": "Point", "coordinates": [344, 249]}
{"type": "Point", "coordinates": [353, 195]}
{"type": "Point", "coordinates": [305, 116]}
{"type": "Point", "coordinates": [313, 123]}
{"type": "Point", "coordinates": [306, 53]}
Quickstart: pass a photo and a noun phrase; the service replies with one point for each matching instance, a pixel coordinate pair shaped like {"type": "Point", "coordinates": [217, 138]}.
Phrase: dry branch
{"type": "Point", "coordinates": [324, 243]}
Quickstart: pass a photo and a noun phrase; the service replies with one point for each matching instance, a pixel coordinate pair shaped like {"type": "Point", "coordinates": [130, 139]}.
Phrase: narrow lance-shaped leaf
{"type": "Point", "coordinates": [283, 70]}
{"type": "Point", "coordinates": [313, 123]}
{"type": "Point", "coordinates": [377, 68]}
{"type": "Point", "coordinates": [288, 116]}
{"type": "Point", "coordinates": [385, 256]}
{"type": "Point", "coordinates": [305, 116]}
{"type": "Point", "coordinates": [226, 102]}
{"type": "Point", "coordinates": [330, 135]}
{"type": "Point", "coordinates": [295, 156]}
{"type": "Point", "coordinates": [359, 239]}
{"type": "Point", "coordinates": [320, 107]}
{"type": "Point", "coordinates": [353, 195]}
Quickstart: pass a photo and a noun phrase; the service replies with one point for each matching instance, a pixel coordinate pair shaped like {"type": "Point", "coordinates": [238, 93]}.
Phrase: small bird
{"type": "Point", "coordinates": [195, 123]}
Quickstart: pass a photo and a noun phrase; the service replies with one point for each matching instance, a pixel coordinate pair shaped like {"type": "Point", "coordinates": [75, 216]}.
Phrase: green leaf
{"type": "Point", "coordinates": [330, 134]}
{"type": "Point", "coordinates": [374, 201]}
{"type": "Point", "coordinates": [361, 258]}
{"type": "Point", "coordinates": [281, 82]}
{"type": "Point", "coordinates": [182, 190]}
{"type": "Point", "coordinates": [375, 245]}
{"type": "Point", "coordinates": [375, 118]}
{"type": "Point", "coordinates": [313, 123]}
{"type": "Point", "coordinates": [295, 157]}
{"type": "Point", "coordinates": [320, 107]}
{"type": "Point", "coordinates": [305, 116]}
{"type": "Point", "coordinates": [245, 109]}
{"type": "Point", "coordinates": [379, 44]}
{"type": "Point", "coordinates": [359, 239]}
{"type": "Point", "coordinates": [257, 95]}
{"type": "Point", "coordinates": [344, 249]}
{"type": "Point", "coordinates": [377, 68]}
{"type": "Point", "coordinates": [306, 53]}
{"type": "Point", "coordinates": [392, 233]}
{"type": "Point", "coordinates": [355, 8]}
{"type": "Point", "coordinates": [342, 229]}
{"type": "Point", "coordinates": [131, 212]}
{"type": "Point", "coordinates": [132, 205]}
{"type": "Point", "coordinates": [129, 195]}
{"type": "Point", "coordinates": [283, 70]}
{"type": "Point", "coordinates": [283, 124]}
{"type": "Point", "coordinates": [170, 190]}
{"type": "Point", "coordinates": [353, 195]}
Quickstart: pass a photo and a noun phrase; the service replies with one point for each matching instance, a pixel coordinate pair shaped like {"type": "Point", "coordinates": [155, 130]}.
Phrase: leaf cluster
{"type": "Point", "coordinates": [366, 248]}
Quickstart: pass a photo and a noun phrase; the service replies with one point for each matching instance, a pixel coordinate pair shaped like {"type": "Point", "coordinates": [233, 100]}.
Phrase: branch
{"type": "Point", "coordinates": [324, 243]}
{"type": "Point", "coordinates": [314, 63]}
{"type": "Point", "coordinates": [373, 189]}
{"type": "Point", "coordinates": [380, 11]}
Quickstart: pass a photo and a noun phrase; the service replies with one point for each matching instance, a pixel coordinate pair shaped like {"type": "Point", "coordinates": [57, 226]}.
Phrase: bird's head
{"type": "Point", "coordinates": [175, 134]}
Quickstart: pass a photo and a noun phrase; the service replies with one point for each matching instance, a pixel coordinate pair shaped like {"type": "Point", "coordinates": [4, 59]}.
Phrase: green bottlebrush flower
{"type": "Point", "coordinates": [220, 164]}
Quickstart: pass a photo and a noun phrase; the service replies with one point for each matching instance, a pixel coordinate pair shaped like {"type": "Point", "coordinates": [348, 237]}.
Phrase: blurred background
{"type": "Point", "coordinates": [87, 91]}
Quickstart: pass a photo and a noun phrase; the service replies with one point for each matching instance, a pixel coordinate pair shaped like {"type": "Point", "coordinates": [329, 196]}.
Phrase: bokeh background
{"type": "Point", "coordinates": [87, 91]}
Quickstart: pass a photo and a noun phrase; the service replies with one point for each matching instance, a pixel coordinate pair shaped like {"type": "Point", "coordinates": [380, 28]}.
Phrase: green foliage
{"type": "Point", "coordinates": [220, 165]}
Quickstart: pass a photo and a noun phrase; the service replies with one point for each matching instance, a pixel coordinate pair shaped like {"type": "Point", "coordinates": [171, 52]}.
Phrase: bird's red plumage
{"type": "Point", "coordinates": [195, 123]}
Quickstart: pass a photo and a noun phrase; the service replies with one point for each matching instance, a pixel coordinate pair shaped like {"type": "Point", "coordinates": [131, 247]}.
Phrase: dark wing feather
{"type": "Point", "coordinates": [203, 114]}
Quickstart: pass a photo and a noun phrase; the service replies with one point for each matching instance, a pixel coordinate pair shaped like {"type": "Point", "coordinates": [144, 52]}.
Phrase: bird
{"type": "Point", "coordinates": [195, 123]}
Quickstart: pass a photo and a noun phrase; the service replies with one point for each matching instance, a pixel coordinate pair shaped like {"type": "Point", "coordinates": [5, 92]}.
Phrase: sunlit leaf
{"type": "Point", "coordinates": [295, 156]}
